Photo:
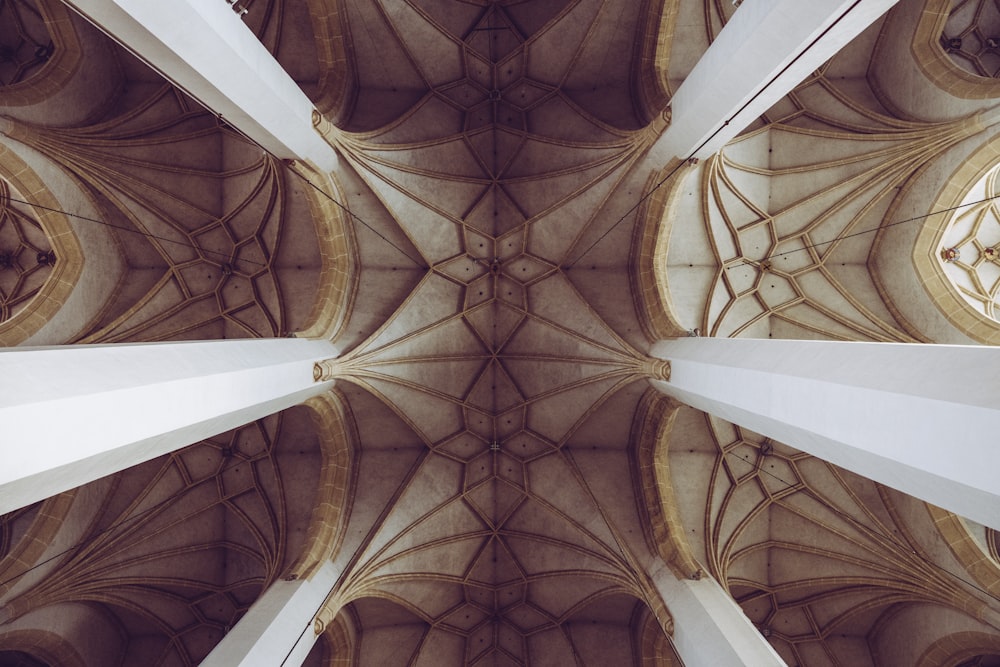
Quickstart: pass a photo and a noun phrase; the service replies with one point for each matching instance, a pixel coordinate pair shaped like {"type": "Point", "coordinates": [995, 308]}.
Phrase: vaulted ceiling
{"type": "Point", "coordinates": [495, 474]}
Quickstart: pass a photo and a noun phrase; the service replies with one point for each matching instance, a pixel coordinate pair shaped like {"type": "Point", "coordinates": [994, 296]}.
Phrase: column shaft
{"type": "Point", "coordinates": [709, 627]}
{"type": "Point", "coordinates": [204, 47]}
{"type": "Point", "coordinates": [72, 414]}
{"type": "Point", "coordinates": [764, 51]}
{"type": "Point", "coordinates": [918, 418]}
{"type": "Point", "coordinates": [278, 628]}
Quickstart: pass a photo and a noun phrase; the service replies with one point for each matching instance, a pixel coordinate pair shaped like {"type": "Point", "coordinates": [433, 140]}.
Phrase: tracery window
{"type": "Point", "coordinates": [26, 256]}
{"type": "Point", "coordinates": [971, 36]}
{"type": "Point", "coordinates": [25, 44]}
{"type": "Point", "coordinates": [970, 247]}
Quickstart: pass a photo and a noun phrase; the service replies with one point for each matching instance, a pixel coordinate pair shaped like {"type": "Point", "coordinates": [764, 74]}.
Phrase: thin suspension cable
{"type": "Point", "coordinates": [219, 253]}
{"type": "Point", "coordinates": [138, 231]}
{"type": "Point", "coordinates": [351, 213]}
{"type": "Point", "coordinates": [641, 200]}
{"type": "Point", "coordinates": [719, 129]}
{"type": "Point", "coordinates": [746, 262]}
{"type": "Point", "coordinates": [303, 178]}
{"type": "Point", "coordinates": [236, 130]}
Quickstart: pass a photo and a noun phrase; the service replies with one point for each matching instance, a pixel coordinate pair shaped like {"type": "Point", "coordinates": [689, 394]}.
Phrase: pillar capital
{"type": "Point", "coordinates": [326, 370]}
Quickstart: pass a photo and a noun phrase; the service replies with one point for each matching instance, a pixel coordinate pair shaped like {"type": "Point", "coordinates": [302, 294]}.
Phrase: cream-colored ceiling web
{"type": "Point", "coordinates": [790, 228]}
{"type": "Point", "coordinates": [815, 555]}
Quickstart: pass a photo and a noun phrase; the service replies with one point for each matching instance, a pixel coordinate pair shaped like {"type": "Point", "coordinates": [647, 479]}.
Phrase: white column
{"type": "Point", "coordinates": [766, 49]}
{"type": "Point", "coordinates": [72, 414]}
{"type": "Point", "coordinates": [709, 627]}
{"type": "Point", "coordinates": [278, 628]}
{"type": "Point", "coordinates": [922, 419]}
{"type": "Point", "coordinates": [205, 48]}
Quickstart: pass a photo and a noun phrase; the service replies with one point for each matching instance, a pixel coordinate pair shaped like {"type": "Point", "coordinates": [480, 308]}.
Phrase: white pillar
{"type": "Point", "coordinates": [922, 419]}
{"type": "Point", "coordinates": [278, 628]}
{"type": "Point", "coordinates": [72, 414]}
{"type": "Point", "coordinates": [709, 627]}
{"type": "Point", "coordinates": [766, 49]}
{"type": "Point", "coordinates": [205, 48]}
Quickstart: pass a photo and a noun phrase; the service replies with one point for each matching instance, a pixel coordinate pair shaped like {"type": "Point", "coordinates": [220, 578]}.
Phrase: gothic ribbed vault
{"type": "Point", "coordinates": [493, 474]}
